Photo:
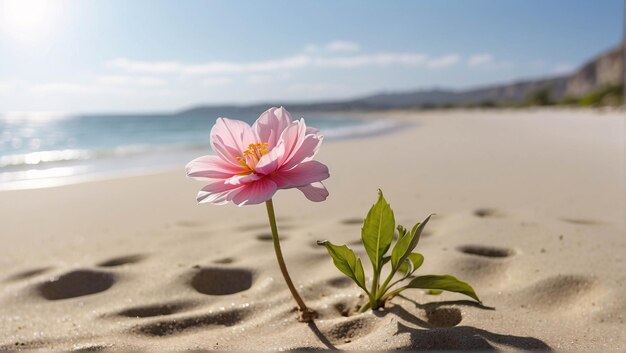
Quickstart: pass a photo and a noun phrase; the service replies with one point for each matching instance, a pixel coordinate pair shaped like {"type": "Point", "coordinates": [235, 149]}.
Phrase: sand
{"type": "Point", "coordinates": [530, 211]}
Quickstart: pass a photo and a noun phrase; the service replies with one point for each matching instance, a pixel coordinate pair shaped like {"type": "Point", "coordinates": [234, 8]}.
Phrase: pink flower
{"type": "Point", "coordinates": [252, 163]}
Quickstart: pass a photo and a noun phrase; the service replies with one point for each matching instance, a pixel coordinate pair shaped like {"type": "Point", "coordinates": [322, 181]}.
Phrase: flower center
{"type": "Point", "coordinates": [251, 156]}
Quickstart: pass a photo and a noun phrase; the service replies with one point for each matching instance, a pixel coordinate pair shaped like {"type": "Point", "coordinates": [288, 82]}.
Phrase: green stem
{"type": "Point", "coordinates": [279, 256]}
{"type": "Point", "coordinates": [383, 288]}
{"type": "Point", "coordinates": [396, 282]}
{"type": "Point", "coordinates": [364, 308]}
{"type": "Point", "coordinates": [374, 291]}
{"type": "Point", "coordinates": [393, 293]}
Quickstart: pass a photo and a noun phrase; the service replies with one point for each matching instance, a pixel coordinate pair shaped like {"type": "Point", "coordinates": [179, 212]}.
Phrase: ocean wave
{"type": "Point", "coordinates": [41, 159]}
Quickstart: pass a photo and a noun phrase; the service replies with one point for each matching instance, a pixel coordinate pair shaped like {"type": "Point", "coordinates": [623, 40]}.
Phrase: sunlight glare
{"type": "Point", "coordinates": [27, 19]}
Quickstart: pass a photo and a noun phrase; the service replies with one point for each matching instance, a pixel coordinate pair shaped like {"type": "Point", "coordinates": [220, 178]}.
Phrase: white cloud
{"type": "Point", "coordinates": [480, 60]}
{"type": "Point", "coordinates": [443, 61]}
{"type": "Point", "coordinates": [156, 67]}
{"type": "Point", "coordinates": [216, 81]}
{"type": "Point", "coordinates": [214, 67]}
{"type": "Point", "coordinates": [342, 46]}
{"type": "Point", "coordinates": [256, 79]}
{"type": "Point", "coordinates": [380, 59]}
{"type": "Point", "coordinates": [486, 61]}
{"type": "Point", "coordinates": [123, 80]}
{"type": "Point", "coordinates": [301, 61]}
{"type": "Point", "coordinates": [563, 68]}
{"type": "Point", "coordinates": [293, 62]}
{"type": "Point", "coordinates": [336, 46]}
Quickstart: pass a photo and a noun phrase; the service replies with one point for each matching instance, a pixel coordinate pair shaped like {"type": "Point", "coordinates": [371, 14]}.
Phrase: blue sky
{"type": "Point", "coordinates": [152, 55]}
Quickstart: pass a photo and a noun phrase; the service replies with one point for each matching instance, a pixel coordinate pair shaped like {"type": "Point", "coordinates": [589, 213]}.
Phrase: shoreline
{"type": "Point", "coordinates": [394, 121]}
{"type": "Point", "coordinates": [87, 170]}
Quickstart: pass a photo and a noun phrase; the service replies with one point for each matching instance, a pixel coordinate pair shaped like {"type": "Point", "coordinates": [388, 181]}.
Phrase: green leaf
{"type": "Point", "coordinates": [434, 291]}
{"type": "Point", "coordinates": [401, 231]}
{"type": "Point", "coordinates": [405, 245]}
{"type": "Point", "coordinates": [443, 282]}
{"type": "Point", "coordinates": [412, 263]}
{"type": "Point", "coordinates": [377, 232]}
{"type": "Point", "coordinates": [346, 261]}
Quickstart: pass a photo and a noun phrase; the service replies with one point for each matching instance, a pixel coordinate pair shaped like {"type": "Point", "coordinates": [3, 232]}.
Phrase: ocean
{"type": "Point", "coordinates": [45, 149]}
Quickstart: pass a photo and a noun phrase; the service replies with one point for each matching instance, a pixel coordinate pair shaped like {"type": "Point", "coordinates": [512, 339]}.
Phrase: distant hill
{"type": "Point", "coordinates": [605, 70]}
{"type": "Point", "coordinates": [499, 94]}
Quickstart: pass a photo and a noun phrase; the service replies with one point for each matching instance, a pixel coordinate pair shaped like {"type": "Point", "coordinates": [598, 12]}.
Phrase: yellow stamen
{"type": "Point", "coordinates": [250, 157]}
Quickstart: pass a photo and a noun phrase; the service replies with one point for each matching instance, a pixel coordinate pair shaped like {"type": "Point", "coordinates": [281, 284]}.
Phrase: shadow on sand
{"type": "Point", "coordinates": [321, 336]}
{"type": "Point", "coordinates": [441, 333]}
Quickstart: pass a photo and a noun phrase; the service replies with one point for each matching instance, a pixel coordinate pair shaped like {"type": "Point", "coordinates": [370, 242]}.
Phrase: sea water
{"type": "Point", "coordinates": [46, 149]}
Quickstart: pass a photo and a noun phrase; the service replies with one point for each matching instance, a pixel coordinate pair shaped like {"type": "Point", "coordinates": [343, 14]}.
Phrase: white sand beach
{"type": "Point", "coordinates": [530, 210]}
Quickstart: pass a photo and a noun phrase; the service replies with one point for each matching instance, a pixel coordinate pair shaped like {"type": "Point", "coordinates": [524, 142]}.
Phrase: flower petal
{"type": "Point", "coordinates": [271, 124]}
{"type": "Point", "coordinates": [270, 162]}
{"type": "Point", "coordinates": [254, 192]}
{"type": "Point", "coordinates": [305, 151]}
{"type": "Point", "coordinates": [206, 167]}
{"type": "Point", "coordinates": [300, 146]}
{"type": "Point", "coordinates": [218, 193]}
{"type": "Point", "coordinates": [291, 138]}
{"type": "Point", "coordinates": [303, 174]}
{"type": "Point", "coordinates": [229, 138]}
{"type": "Point", "coordinates": [315, 192]}
{"type": "Point", "coordinates": [242, 179]}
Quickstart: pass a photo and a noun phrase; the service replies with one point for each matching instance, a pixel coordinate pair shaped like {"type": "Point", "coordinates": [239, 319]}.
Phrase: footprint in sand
{"type": "Point", "coordinates": [349, 330]}
{"type": "Point", "coordinates": [155, 310]}
{"type": "Point", "coordinates": [267, 237]}
{"type": "Point", "coordinates": [221, 281]}
{"type": "Point", "coordinates": [27, 274]}
{"type": "Point", "coordinates": [352, 221]}
{"type": "Point", "coordinates": [485, 251]}
{"type": "Point", "coordinates": [343, 309]}
{"type": "Point", "coordinates": [483, 265]}
{"type": "Point", "coordinates": [76, 284]}
{"type": "Point", "coordinates": [487, 212]}
{"type": "Point", "coordinates": [194, 323]}
{"type": "Point", "coordinates": [582, 222]}
{"type": "Point", "coordinates": [343, 306]}
{"type": "Point", "coordinates": [340, 282]}
{"type": "Point", "coordinates": [558, 292]}
{"type": "Point", "coordinates": [189, 224]}
{"type": "Point", "coordinates": [122, 260]}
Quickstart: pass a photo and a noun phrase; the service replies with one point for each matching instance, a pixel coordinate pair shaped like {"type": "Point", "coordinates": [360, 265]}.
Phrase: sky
{"type": "Point", "coordinates": [157, 55]}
